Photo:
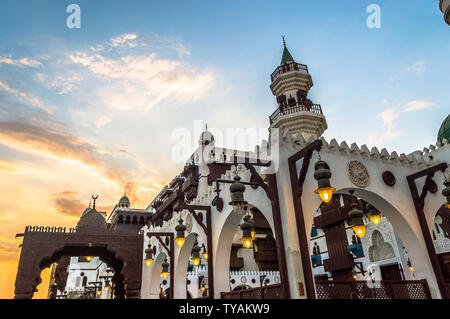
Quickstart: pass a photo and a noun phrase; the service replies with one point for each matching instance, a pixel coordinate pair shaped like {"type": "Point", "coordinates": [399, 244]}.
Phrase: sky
{"type": "Point", "coordinates": [94, 109]}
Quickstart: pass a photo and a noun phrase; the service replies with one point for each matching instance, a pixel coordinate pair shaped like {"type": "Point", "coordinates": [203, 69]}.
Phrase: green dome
{"type": "Point", "coordinates": [444, 131]}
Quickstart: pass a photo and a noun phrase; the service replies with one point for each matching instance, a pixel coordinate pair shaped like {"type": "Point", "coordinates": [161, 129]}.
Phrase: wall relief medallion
{"type": "Point", "coordinates": [358, 174]}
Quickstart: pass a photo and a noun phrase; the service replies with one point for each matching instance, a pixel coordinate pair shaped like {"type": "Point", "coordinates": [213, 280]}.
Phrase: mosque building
{"type": "Point", "coordinates": [298, 217]}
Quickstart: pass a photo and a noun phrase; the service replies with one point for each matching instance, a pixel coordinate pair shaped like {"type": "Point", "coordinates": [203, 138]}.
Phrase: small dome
{"type": "Point", "coordinates": [206, 138]}
{"type": "Point", "coordinates": [124, 202]}
{"type": "Point", "coordinates": [444, 131]}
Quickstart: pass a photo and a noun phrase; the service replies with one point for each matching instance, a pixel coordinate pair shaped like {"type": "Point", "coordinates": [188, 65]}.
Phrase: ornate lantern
{"type": "Point", "coordinates": [107, 285]}
{"type": "Point", "coordinates": [88, 258]}
{"type": "Point", "coordinates": [165, 269]}
{"type": "Point", "coordinates": [356, 220]}
{"type": "Point", "coordinates": [237, 190]}
{"type": "Point", "coordinates": [196, 254]}
{"type": "Point", "coordinates": [204, 253]}
{"type": "Point", "coordinates": [149, 255]}
{"type": "Point", "coordinates": [180, 228]}
{"type": "Point", "coordinates": [374, 215]}
{"type": "Point", "coordinates": [246, 228]}
{"type": "Point", "coordinates": [446, 193]}
{"type": "Point", "coordinates": [322, 174]}
{"type": "Point", "coordinates": [99, 292]}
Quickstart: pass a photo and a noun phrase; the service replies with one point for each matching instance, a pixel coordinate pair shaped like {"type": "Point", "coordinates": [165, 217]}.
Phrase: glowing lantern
{"type": "Point", "coordinates": [322, 174]}
{"type": "Point", "coordinates": [246, 227]}
{"type": "Point", "coordinates": [446, 193]}
{"type": "Point", "coordinates": [165, 269]}
{"type": "Point", "coordinates": [356, 220]}
{"type": "Point", "coordinates": [374, 215]}
{"type": "Point", "coordinates": [196, 254]}
{"type": "Point", "coordinates": [88, 258]}
{"type": "Point", "coordinates": [149, 255]}
{"type": "Point", "coordinates": [180, 228]}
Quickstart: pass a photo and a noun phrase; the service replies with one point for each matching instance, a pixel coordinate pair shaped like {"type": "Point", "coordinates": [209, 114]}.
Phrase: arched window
{"type": "Point", "coordinates": [380, 250]}
{"type": "Point", "coordinates": [78, 282]}
{"type": "Point", "coordinates": [84, 281]}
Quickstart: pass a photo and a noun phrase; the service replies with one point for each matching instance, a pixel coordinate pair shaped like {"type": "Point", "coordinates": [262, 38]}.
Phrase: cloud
{"type": "Point", "coordinates": [124, 39]}
{"type": "Point", "coordinates": [102, 121]}
{"type": "Point", "coordinates": [417, 67]}
{"type": "Point", "coordinates": [414, 106]}
{"type": "Point", "coordinates": [24, 62]}
{"type": "Point", "coordinates": [26, 97]}
{"type": "Point", "coordinates": [389, 127]}
{"type": "Point", "coordinates": [7, 165]}
{"type": "Point", "coordinates": [140, 81]}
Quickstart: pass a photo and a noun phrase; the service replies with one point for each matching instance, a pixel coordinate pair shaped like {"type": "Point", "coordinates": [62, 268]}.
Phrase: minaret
{"type": "Point", "coordinates": [291, 83]}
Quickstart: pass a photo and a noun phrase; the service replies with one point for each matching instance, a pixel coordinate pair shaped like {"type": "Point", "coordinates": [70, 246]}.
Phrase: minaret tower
{"type": "Point", "coordinates": [291, 83]}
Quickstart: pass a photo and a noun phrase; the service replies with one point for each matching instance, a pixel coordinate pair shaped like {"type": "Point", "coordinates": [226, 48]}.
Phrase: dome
{"type": "Point", "coordinates": [206, 138]}
{"type": "Point", "coordinates": [124, 202]}
{"type": "Point", "coordinates": [444, 131]}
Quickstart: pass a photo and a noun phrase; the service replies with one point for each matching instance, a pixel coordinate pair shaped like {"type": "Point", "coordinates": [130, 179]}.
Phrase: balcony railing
{"type": "Point", "coordinates": [288, 67]}
{"type": "Point", "coordinates": [266, 292]}
{"type": "Point", "coordinates": [283, 110]}
{"type": "Point", "coordinates": [384, 289]}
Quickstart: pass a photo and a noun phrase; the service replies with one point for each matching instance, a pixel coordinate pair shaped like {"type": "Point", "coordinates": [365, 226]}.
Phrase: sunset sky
{"type": "Point", "coordinates": [93, 110]}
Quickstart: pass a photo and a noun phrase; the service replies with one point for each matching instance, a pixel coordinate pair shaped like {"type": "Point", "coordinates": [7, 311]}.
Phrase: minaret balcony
{"type": "Point", "coordinates": [289, 67]}
{"type": "Point", "coordinates": [296, 108]}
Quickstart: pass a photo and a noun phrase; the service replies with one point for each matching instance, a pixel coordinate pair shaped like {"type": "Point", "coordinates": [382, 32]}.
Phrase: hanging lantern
{"type": "Point", "coordinates": [322, 175]}
{"type": "Point", "coordinates": [180, 228]}
{"type": "Point", "coordinates": [149, 255]}
{"type": "Point", "coordinates": [356, 220]}
{"type": "Point", "coordinates": [246, 228]}
{"type": "Point", "coordinates": [88, 258]}
{"type": "Point", "coordinates": [165, 269]}
{"type": "Point", "coordinates": [107, 285]}
{"type": "Point", "coordinates": [237, 190]}
{"type": "Point", "coordinates": [99, 292]}
{"type": "Point", "coordinates": [410, 266]}
{"type": "Point", "coordinates": [204, 253]}
{"type": "Point", "coordinates": [374, 215]}
{"type": "Point", "coordinates": [446, 193]}
{"type": "Point", "coordinates": [253, 232]}
{"type": "Point", "coordinates": [196, 254]}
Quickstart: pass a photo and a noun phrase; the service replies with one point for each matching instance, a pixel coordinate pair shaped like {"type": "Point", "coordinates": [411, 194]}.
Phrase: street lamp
{"type": "Point", "coordinates": [356, 220]}
{"type": "Point", "coordinates": [246, 228]}
{"type": "Point", "coordinates": [165, 269]}
{"type": "Point", "coordinates": [374, 215]}
{"type": "Point", "coordinates": [237, 190]}
{"type": "Point", "coordinates": [322, 174]}
{"type": "Point", "coordinates": [180, 228]}
{"type": "Point", "coordinates": [196, 254]}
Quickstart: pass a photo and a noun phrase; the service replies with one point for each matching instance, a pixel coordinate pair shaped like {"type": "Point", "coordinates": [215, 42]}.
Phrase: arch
{"type": "Point", "coordinates": [134, 220]}
{"type": "Point", "coordinates": [104, 255]}
{"type": "Point", "coordinates": [225, 241]}
{"type": "Point", "coordinates": [181, 265]}
{"type": "Point", "coordinates": [128, 219]}
{"type": "Point", "coordinates": [120, 219]}
{"type": "Point", "coordinates": [415, 246]}
{"type": "Point", "coordinates": [155, 276]}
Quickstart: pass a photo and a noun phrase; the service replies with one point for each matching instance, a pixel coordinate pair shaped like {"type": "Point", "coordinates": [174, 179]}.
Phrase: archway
{"type": "Point", "coordinates": [229, 232]}
{"type": "Point", "coordinates": [181, 266]}
{"type": "Point", "coordinates": [415, 247]}
{"type": "Point", "coordinates": [104, 255]}
{"type": "Point", "coordinates": [155, 277]}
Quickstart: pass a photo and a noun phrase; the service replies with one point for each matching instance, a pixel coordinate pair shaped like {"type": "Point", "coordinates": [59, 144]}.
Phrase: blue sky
{"type": "Point", "coordinates": [92, 110]}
